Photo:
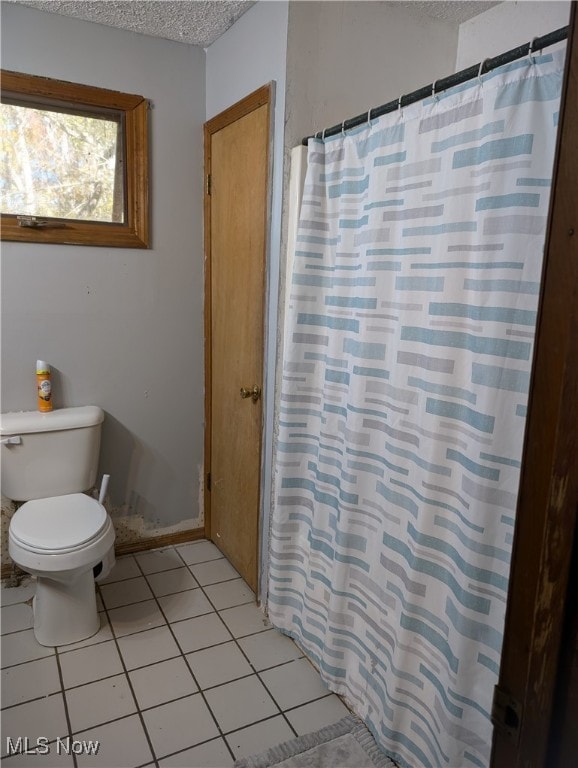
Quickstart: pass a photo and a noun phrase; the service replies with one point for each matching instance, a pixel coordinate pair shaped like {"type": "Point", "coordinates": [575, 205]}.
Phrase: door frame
{"type": "Point", "coordinates": [261, 97]}
{"type": "Point", "coordinates": [547, 512]}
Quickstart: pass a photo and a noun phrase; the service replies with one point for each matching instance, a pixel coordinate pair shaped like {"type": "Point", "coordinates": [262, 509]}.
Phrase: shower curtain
{"type": "Point", "coordinates": [407, 358]}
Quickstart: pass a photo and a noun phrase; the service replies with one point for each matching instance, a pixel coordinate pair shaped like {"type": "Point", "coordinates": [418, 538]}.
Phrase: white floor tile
{"type": "Point", "coordinates": [159, 560]}
{"type": "Point", "coordinates": [16, 617]}
{"type": "Point", "coordinates": [245, 620]}
{"type": "Point", "coordinates": [30, 681]}
{"type": "Point", "coordinates": [179, 725]}
{"type": "Point", "coordinates": [317, 714]}
{"type": "Point", "coordinates": [136, 617]}
{"type": "Point", "coordinates": [268, 649]}
{"type": "Point", "coordinates": [213, 754]}
{"type": "Point", "coordinates": [100, 701]}
{"type": "Point", "coordinates": [201, 632]}
{"type": "Point", "coordinates": [124, 568]}
{"type": "Point", "coordinates": [240, 703]}
{"type": "Point", "coordinates": [148, 647]}
{"type": "Point", "coordinates": [97, 703]}
{"type": "Point", "coordinates": [22, 646]}
{"type": "Point", "coordinates": [217, 665]}
{"type": "Point", "coordinates": [185, 605]}
{"type": "Point", "coordinates": [88, 664]}
{"type": "Point", "coordinates": [44, 717]}
{"type": "Point", "coordinates": [103, 635]}
{"type": "Point", "coordinates": [12, 595]}
{"type": "Point", "coordinates": [213, 572]}
{"type": "Point", "coordinates": [259, 737]}
{"type": "Point", "coordinates": [294, 683]}
{"type": "Point", "coordinates": [122, 743]}
{"type": "Point", "coordinates": [230, 593]}
{"type": "Point", "coordinates": [198, 552]}
{"type": "Point", "coordinates": [125, 592]}
{"type": "Point", "coordinates": [162, 682]}
{"type": "Point", "coordinates": [169, 582]}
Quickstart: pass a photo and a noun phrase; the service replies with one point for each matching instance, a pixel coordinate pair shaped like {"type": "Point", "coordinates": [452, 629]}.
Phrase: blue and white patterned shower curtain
{"type": "Point", "coordinates": [408, 349]}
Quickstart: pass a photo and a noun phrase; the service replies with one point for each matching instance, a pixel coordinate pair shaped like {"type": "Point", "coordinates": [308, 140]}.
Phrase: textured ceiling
{"type": "Point", "coordinates": [452, 10]}
{"type": "Point", "coordinates": [188, 21]}
{"type": "Point", "coordinates": [201, 23]}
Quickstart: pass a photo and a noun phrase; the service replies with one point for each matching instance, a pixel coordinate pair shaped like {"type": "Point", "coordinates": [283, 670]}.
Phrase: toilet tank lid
{"type": "Point", "coordinates": [28, 422]}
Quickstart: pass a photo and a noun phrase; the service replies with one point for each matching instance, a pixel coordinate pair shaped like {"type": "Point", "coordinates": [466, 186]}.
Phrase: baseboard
{"type": "Point", "coordinates": [167, 540]}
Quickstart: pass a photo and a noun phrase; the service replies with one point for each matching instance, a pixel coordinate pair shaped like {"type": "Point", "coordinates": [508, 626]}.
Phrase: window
{"type": "Point", "coordinates": [74, 163]}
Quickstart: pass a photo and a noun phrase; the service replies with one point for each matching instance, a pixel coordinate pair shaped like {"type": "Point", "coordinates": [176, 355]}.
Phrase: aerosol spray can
{"type": "Point", "coordinates": [43, 386]}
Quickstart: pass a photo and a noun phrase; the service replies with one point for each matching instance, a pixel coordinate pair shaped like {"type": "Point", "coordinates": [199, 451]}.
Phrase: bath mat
{"type": "Point", "coordinates": [346, 744]}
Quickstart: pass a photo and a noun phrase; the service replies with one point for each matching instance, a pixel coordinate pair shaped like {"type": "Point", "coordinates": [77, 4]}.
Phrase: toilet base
{"type": "Point", "coordinates": [65, 612]}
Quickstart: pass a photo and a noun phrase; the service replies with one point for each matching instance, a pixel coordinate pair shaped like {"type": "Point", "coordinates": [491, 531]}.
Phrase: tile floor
{"type": "Point", "coordinates": [185, 671]}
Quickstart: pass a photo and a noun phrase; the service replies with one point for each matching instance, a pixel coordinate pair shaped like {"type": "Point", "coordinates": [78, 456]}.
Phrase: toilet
{"type": "Point", "coordinates": [59, 535]}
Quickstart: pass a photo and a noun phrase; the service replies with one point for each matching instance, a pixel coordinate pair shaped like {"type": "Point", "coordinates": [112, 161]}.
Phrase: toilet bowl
{"type": "Point", "coordinates": [61, 540]}
{"type": "Point", "coordinates": [61, 536]}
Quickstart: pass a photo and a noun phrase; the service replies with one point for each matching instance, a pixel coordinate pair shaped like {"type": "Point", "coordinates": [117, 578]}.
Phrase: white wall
{"type": "Point", "coordinates": [345, 57]}
{"type": "Point", "coordinates": [250, 54]}
{"type": "Point", "coordinates": [123, 328]}
{"type": "Point", "coordinates": [505, 26]}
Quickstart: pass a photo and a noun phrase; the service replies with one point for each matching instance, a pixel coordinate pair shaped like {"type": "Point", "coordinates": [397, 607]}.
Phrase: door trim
{"type": "Point", "coordinates": [547, 510]}
{"type": "Point", "coordinates": [261, 97]}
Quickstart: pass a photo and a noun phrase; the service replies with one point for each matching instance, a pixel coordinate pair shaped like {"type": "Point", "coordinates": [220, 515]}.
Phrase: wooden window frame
{"type": "Point", "coordinates": [134, 232]}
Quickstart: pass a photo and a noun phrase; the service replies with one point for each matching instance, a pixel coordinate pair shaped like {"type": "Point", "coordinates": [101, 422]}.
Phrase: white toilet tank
{"type": "Point", "coordinates": [49, 454]}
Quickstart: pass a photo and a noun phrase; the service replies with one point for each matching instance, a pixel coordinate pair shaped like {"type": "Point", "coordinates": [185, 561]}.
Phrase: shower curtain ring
{"type": "Point", "coordinates": [433, 91]}
{"type": "Point", "coordinates": [343, 129]}
{"type": "Point", "coordinates": [480, 81]}
{"type": "Point", "coordinates": [323, 134]}
{"type": "Point", "coordinates": [531, 51]}
{"type": "Point", "coordinates": [399, 105]}
{"type": "Point", "coordinates": [369, 117]}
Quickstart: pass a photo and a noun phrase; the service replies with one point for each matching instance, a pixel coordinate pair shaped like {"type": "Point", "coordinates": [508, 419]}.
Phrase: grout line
{"type": "Point", "coordinates": [27, 661]}
{"type": "Point", "coordinates": [257, 722]}
{"type": "Point", "coordinates": [65, 702]}
{"type": "Point", "coordinates": [194, 746]}
{"type": "Point", "coordinates": [16, 631]}
{"type": "Point", "coordinates": [30, 701]}
{"type": "Point", "coordinates": [130, 685]}
{"type": "Point", "coordinates": [97, 680]}
{"type": "Point", "coordinates": [236, 641]}
{"type": "Point", "coordinates": [153, 596]}
{"type": "Point", "coordinates": [276, 703]}
{"type": "Point", "coordinates": [201, 692]}
{"type": "Point", "coordinates": [107, 722]}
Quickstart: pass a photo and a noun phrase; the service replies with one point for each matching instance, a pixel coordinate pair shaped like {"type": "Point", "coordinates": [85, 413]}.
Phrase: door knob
{"type": "Point", "coordinates": [254, 393]}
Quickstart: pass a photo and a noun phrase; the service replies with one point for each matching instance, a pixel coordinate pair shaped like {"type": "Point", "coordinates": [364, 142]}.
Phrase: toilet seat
{"type": "Point", "coordinates": [58, 525]}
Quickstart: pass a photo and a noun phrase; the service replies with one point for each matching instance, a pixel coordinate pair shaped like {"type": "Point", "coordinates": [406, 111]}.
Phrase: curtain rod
{"type": "Point", "coordinates": [477, 70]}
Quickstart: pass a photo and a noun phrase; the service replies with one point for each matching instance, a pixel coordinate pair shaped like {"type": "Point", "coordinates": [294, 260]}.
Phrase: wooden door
{"type": "Point", "coordinates": [237, 165]}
